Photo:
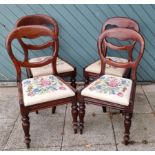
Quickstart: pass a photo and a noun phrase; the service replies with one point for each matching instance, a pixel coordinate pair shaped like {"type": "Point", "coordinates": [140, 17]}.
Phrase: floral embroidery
{"type": "Point", "coordinates": [42, 85]}
{"type": "Point", "coordinates": [110, 85]}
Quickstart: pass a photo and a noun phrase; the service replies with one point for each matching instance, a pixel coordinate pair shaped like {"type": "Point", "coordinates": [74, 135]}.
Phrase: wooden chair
{"type": "Point", "coordinates": [64, 69]}
{"type": "Point", "coordinates": [110, 90]}
{"type": "Point", "coordinates": [43, 91]}
{"type": "Point", "coordinates": [93, 70]}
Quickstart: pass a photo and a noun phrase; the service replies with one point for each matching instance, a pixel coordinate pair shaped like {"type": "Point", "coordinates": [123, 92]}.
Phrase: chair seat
{"type": "Point", "coordinates": [43, 89]}
{"type": "Point", "coordinates": [110, 70]}
{"type": "Point", "coordinates": [110, 88]}
{"type": "Point", "coordinates": [62, 67]}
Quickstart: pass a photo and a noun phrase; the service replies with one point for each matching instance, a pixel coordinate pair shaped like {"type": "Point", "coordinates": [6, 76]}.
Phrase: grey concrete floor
{"type": "Point", "coordinates": [103, 131]}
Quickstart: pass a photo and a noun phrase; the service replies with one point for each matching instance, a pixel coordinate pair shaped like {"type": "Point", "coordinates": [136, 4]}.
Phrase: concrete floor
{"type": "Point", "coordinates": [103, 131]}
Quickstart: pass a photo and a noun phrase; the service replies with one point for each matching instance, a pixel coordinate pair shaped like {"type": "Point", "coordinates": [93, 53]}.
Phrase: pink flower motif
{"type": "Point", "coordinates": [30, 94]}
{"type": "Point", "coordinates": [120, 94]}
{"type": "Point", "coordinates": [45, 82]}
{"type": "Point", "coordinates": [113, 83]}
{"type": "Point", "coordinates": [62, 88]}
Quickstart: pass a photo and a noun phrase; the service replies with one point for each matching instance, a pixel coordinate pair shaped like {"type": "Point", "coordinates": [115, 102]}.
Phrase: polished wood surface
{"type": "Point", "coordinates": [48, 21]}
{"type": "Point", "coordinates": [119, 22]}
{"type": "Point", "coordinates": [30, 32]}
{"type": "Point", "coordinates": [44, 20]}
{"type": "Point", "coordinates": [121, 34]}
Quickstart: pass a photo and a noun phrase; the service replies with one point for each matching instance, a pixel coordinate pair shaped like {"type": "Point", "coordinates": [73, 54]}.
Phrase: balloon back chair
{"type": "Point", "coordinates": [93, 70]}
{"type": "Point", "coordinates": [64, 69]}
{"type": "Point", "coordinates": [110, 90]}
{"type": "Point", "coordinates": [43, 91]}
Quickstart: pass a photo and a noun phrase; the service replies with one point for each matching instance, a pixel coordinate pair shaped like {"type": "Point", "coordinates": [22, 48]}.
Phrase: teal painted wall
{"type": "Point", "coordinates": [79, 27]}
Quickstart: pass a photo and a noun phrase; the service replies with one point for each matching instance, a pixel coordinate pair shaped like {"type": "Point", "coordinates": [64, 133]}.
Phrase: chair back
{"type": "Point", "coordinates": [32, 32]}
{"type": "Point", "coordinates": [121, 34]}
{"type": "Point", "coordinates": [123, 22]}
{"type": "Point", "coordinates": [38, 19]}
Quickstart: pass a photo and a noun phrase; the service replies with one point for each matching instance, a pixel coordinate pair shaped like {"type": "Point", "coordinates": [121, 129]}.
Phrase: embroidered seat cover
{"type": "Point", "coordinates": [62, 67]}
{"type": "Point", "coordinates": [110, 88]}
{"type": "Point", "coordinates": [43, 89]}
{"type": "Point", "coordinates": [110, 70]}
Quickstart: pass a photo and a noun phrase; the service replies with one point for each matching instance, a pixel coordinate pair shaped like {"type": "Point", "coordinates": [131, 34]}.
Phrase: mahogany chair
{"type": "Point", "coordinates": [43, 91]}
{"type": "Point", "coordinates": [64, 69]}
{"type": "Point", "coordinates": [93, 70]}
{"type": "Point", "coordinates": [110, 90]}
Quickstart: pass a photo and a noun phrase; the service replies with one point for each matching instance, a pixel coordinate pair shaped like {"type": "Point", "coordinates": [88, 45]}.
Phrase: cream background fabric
{"type": "Point", "coordinates": [123, 100]}
{"type": "Point", "coordinates": [54, 91]}
{"type": "Point", "coordinates": [96, 67]}
{"type": "Point", "coordinates": [62, 67]}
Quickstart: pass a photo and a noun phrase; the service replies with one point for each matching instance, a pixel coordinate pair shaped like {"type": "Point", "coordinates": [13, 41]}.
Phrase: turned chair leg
{"type": "Point", "coordinates": [127, 125]}
{"type": "Point", "coordinates": [73, 80]}
{"type": "Point", "coordinates": [53, 109]}
{"type": "Point", "coordinates": [104, 109]}
{"type": "Point", "coordinates": [36, 111]}
{"type": "Point", "coordinates": [75, 115]}
{"type": "Point", "coordinates": [81, 115]}
{"type": "Point", "coordinates": [26, 128]}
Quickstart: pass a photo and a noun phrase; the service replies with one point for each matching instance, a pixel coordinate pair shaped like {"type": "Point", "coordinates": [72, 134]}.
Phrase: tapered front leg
{"type": "Point", "coordinates": [26, 128]}
{"type": "Point", "coordinates": [75, 115]}
{"type": "Point", "coordinates": [127, 125]}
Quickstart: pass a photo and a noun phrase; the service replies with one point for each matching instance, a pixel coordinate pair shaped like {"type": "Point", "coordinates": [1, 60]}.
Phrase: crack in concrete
{"type": "Point", "coordinates": [63, 129]}
{"type": "Point", "coordinates": [11, 132]}
{"type": "Point", "coordinates": [147, 99]}
{"type": "Point", "coordinates": [113, 131]}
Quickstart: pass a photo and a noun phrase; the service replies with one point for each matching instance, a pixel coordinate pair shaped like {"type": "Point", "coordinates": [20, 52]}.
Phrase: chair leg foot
{"type": "Point", "coordinates": [37, 112]}
{"type": "Point", "coordinates": [26, 128]}
{"type": "Point", "coordinates": [104, 109]}
{"type": "Point", "coordinates": [127, 125]}
{"type": "Point", "coordinates": [53, 109]}
{"type": "Point", "coordinates": [75, 115]}
{"type": "Point", "coordinates": [27, 146]}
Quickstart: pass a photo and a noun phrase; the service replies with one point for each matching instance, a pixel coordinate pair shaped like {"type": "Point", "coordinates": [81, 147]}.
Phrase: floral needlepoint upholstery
{"type": "Point", "coordinates": [62, 67]}
{"type": "Point", "coordinates": [110, 70]}
{"type": "Point", "coordinates": [43, 89]}
{"type": "Point", "coordinates": [110, 88]}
